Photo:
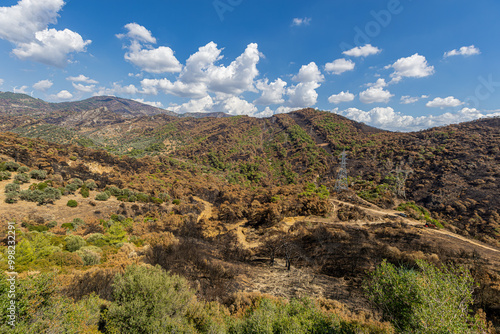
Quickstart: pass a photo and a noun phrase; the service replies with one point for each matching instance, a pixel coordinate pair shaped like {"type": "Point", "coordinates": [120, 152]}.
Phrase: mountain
{"type": "Point", "coordinates": [217, 199]}
{"type": "Point", "coordinates": [454, 169]}
{"type": "Point", "coordinates": [15, 104]}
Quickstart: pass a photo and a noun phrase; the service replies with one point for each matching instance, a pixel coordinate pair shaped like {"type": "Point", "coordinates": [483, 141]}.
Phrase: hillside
{"type": "Point", "coordinates": [215, 199]}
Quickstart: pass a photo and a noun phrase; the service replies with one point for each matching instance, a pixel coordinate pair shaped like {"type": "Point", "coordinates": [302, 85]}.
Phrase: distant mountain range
{"type": "Point", "coordinates": [15, 104]}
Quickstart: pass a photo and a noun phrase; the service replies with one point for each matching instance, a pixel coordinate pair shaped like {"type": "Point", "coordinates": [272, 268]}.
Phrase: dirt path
{"type": "Point", "coordinates": [384, 212]}
{"type": "Point", "coordinates": [207, 212]}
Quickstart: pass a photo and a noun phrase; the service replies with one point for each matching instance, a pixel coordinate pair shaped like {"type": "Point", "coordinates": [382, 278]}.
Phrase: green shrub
{"type": "Point", "coordinates": [22, 178]}
{"type": "Point", "coordinates": [114, 191]}
{"type": "Point", "coordinates": [76, 181]}
{"type": "Point", "coordinates": [11, 166]}
{"type": "Point", "coordinates": [38, 228]}
{"type": "Point", "coordinates": [11, 197]}
{"type": "Point", "coordinates": [51, 195]}
{"type": "Point", "coordinates": [428, 300]}
{"type": "Point", "coordinates": [74, 243]}
{"type": "Point", "coordinates": [42, 186]}
{"type": "Point", "coordinates": [68, 226]}
{"type": "Point", "coordinates": [176, 201]}
{"type": "Point", "coordinates": [156, 200]}
{"type": "Point", "coordinates": [116, 234]}
{"type": "Point", "coordinates": [78, 222]}
{"type": "Point", "coordinates": [38, 174]}
{"type": "Point", "coordinates": [312, 190]}
{"type": "Point", "coordinates": [84, 191]}
{"type": "Point", "coordinates": [72, 203]}
{"type": "Point", "coordinates": [97, 239]}
{"type": "Point", "coordinates": [91, 255]}
{"type": "Point", "coordinates": [51, 224]}
{"type": "Point", "coordinates": [149, 300]}
{"type": "Point", "coordinates": [23, 169]}
{"type": "Point", "coordinates": [104, 196]}
{"type": "Point", "coordinates": [118, 218]}
{"type": "Point", "coordinates": [90, 184]}
{"type": "Point", "coordinates": [12, 187]}
{"type": "Point", "coordinates": [5, 175]}
{"type": "Point", "coordinates": [71, 188]}
{"type": "Point", "coordinates": [142, 197]}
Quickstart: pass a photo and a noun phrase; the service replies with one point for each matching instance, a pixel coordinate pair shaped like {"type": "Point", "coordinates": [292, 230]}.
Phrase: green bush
{"type": "Point", "coordinates": [23, 169]}
{"type": "Point", "coordinates": [149, 300]}
{"type": "Point", "coordinates": [22, 178]}
{"type": "Point", "coordinates": [12, 187]}
{"type": "Point", "coordinates": [37, 228]}
{"type": "Point", "coordinates": [72, 203]}
{"type": "Point", "coordinates": [176, 201]}
{"type": "Point", "coordinates": [97, 239]}
{"type": "Point", "coordinates": [114, 191]}
{"type": "Point", "coordinates": [11, 197]}
{"type": "Point", "coordinates": [104, 196]}
{"type": "Point", "coordinates": [74, 243]}
{"type": "Point", "coordinates": [68, 226]}
{"type": "Point", "coordinates": [76, 181]}
{"type": "Point", "coordinates": [49, 195]}
{"type": "Point", "coordinates": [312, 190]}
{"type": "Point", "coordinates": [38, 174]}
{"type": "Point", "coordinates": [91, 255]}
{"type": "Point", "coordinates": [84, 191]}
{"type": "Point", "coordinates": [426, 300]}
{"type": "Point", "coordinates": [41, 309]}
{"type": "Point", "coordinates": [11, 166]}
{"type": "Point", "coordinates": [5, 175]}
{"type": "Point", "coordinates": [90, 184]}
{"type": "Point", "coordinates": [78, 222]}
{"type": "Point", "coordinates": [156, 200]}
{"type": "Point", "coordinates": [142, 197]}
{"type": "Point", "coordinates": [51, 224]}
{"type": "Point", "coordinates": [71, 188]}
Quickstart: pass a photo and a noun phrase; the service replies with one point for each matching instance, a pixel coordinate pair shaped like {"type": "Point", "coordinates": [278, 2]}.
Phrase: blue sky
{"type": "Point", "coordinates": [395, 64]}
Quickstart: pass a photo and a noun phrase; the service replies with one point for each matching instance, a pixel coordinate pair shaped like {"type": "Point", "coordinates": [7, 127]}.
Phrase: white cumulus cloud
{"type": "Point", "coordinates": [138, 33]}
{"type": "Point", "coordinates": [117, 89]}
{"type": "Point", "coordinates": [341, 97]}
{"type": "Point", "coordinates": [150, 103]}
{"type": "Point", "coordinates": [26, 25]}
{"type": "Point", "coordinates": [21, 90]}
{"type": "Point", "coordinates": [407, 99]}
{"type": "Point", "coordinates": [82, 78]}
{"type": "Point", "coordinates": [375, 94]}
{"type": "Point", "coordinates": [415, 66]}
{"type": "Point", "coordinates": [202, 74]}
{"type": "Point", "coordinates": [362, 51]}
{"type": "Point", "coordinates": [389, 119]}
{"type": "Point", "coordinates": [63, 95]}
{"type": "Point", "coordinates": [446, 102]}
{"type": "Point", "coordinates": [272, 93]}
{"type": "Point", "coordinates": [304, 93]}
{"type": "Point", "coordinates": [148, 59]}
{"type": "Point", "coordinates": [340, 66]}
{"type": "Point", "coordinates": [19, 23]}
{"type": "Point", "coordinates": [43, 85]}
{"type": "Point", "coordinates": [463, 51]}
{"type": "Point", "coordinates": [83, 88]}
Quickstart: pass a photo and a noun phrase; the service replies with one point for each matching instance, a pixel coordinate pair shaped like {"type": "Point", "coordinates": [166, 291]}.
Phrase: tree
{"type": "Point", "coordinates": [425, 300]}
{"type": "Point", "coordinates": [149, 300]}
